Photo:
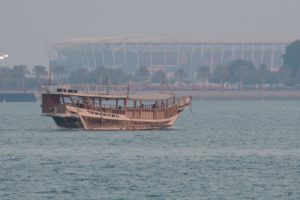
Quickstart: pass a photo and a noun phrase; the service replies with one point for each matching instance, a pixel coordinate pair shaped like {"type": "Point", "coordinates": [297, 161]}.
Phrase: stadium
{"type": "Point", "coordinates": [160, 53]}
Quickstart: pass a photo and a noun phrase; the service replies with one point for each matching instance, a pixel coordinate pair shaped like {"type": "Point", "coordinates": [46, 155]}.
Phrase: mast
{"type": "Point", "coordinates": [49, 80]}
{"type": "Point", "coordinates": [49, 83]}
{"type": "Point", "coordinates": [128, 90]}
{"type": "Point", "coordinates": [106, 84]}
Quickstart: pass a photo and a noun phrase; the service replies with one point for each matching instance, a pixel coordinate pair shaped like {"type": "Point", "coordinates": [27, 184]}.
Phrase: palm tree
{"type": "Point", "coordinates": [98, 75]}
{"type": "Point", "coordinates": [59, 71]}
{"type": "Point", "coordinates": [291, 59]}
{"type": "Point", "coordinates": [242, 71]}
{"type": "Point", "coordinates": [78, 75]}
{"type": "Point", "coordinates": [180, 74]}
{"type": "Point", "coordinates": [19, 73]}
{"type": "Point", "coordinates": [221, 74]}
{"type": "Point", "coordinates": [142, 74]}
{"type": "Point", "coordinates": [159, 77]}
{"type": "Point", "coordinates": [40, 71]}
{"type": "Point", "coordinates": [203, 73]}
{"type": "Point", "coordinates": [5, 75]}
{"type": "Point", "coordinates": [262, 72]}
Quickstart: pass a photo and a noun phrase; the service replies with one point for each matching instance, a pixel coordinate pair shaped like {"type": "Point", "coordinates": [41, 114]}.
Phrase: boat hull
{"type": "Point", "coordinates": [90, 123]}
{"type": "Point", "coordinates": [68, 122]}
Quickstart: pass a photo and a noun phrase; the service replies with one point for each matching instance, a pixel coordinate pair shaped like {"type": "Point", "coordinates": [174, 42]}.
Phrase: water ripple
{"type": "Point", "coordinates": [223, 150]}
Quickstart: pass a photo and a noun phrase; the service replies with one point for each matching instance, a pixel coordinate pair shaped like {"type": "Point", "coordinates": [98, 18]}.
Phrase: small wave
{"type": "Point", "coordinates": [51, 163]}
{"type": "Point", "coordinates": [53, 191]}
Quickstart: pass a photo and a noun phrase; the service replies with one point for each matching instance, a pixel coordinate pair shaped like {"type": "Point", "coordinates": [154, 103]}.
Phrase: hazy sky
{"type": "Point", "coordinates": [28, 26]}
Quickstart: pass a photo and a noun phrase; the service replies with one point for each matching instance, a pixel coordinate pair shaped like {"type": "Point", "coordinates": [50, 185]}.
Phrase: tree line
{"type": "Point", "coordinates": [239, 72]}
{"type": "Point", "coordinates": [19, 77]}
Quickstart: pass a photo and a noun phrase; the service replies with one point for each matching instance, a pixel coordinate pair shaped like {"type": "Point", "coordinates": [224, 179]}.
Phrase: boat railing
{"type": "Point", "coordinates": [142, 112]}
{"type": "Point", "coordinates": [98, 112]}
{"type": "Point", "coordinates": [184, 101]}
{"type": "Point", "coordinates": [120, 109]}
{"type": "Point", "coordinates": [156, 113]}
{"type": "Point", "coordinates": [106, 114]}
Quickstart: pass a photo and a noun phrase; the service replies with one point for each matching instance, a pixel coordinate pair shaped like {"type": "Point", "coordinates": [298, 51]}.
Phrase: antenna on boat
{"type": "Point", "coordinates": [128, 90]}
{"type": "Point", "coordinates": [49, 83]}
{"type": "Point", "coordinates": [106, 83]}
{"type": "Point", "coordinates": [49, 80]}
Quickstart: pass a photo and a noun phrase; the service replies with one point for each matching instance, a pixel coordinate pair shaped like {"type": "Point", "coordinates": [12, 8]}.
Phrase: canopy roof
{"type": "Point", "coordinates": [154, 96]}
{"type": "Point", "coordinates": [148, 96]}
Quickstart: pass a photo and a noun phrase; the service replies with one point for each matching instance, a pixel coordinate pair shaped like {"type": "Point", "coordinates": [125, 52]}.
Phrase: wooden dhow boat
{"type": "Point", "coordinates": [93, 111]}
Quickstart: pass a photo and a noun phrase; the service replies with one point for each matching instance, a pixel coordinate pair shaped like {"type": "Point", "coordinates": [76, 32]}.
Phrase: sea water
{"type": "Point", "coordinates": [220, 150]}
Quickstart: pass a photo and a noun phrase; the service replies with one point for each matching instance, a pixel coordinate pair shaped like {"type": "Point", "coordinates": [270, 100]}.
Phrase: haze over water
{"type": "Point", "coordinates": [222, 150]}
{"type": "Point", "coordinates": [28, 27]}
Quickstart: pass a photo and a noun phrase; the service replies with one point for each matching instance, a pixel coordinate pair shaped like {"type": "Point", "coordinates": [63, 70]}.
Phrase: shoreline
{"type": "Point", "coordinates": [16, 96]}
{"type": "Point", "coordinates": [238, 94]}
{"type": "Point", "coordinates": [196, 94]}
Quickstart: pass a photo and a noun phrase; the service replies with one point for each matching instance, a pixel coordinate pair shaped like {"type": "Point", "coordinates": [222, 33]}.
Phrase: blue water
{"type": "Point", "coordinates": [222, 150]}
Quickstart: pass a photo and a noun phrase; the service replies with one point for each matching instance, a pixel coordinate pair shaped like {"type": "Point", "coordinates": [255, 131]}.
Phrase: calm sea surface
{"type": "Point", "coordinates": [222, 150]}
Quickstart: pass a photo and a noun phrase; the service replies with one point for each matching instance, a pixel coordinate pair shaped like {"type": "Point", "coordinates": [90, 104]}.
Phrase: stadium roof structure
{"type": "Point", "coordinates": [167, 39]}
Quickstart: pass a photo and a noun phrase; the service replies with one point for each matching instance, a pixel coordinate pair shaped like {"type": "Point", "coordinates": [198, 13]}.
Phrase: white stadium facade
{"type": "Point", "coordinates": [160, 53]}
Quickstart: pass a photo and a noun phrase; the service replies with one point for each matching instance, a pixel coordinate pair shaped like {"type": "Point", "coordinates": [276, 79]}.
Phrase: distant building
{"type": "Point", "coordinates": [159, 53]}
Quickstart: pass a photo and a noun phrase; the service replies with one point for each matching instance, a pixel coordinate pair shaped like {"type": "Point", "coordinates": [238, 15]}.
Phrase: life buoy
{"type": "Point", "coordinates": [52, 109]}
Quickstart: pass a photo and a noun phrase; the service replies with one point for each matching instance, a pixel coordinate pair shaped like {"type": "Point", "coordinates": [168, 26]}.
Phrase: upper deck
{"type": "Point", "coordinates": [67, 91]}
